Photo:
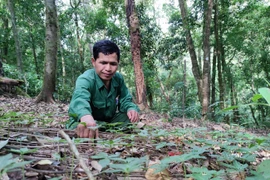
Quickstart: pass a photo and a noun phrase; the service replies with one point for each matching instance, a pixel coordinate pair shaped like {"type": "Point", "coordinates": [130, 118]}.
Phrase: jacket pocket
{"type": "Point", "coordinates": [99, 104]}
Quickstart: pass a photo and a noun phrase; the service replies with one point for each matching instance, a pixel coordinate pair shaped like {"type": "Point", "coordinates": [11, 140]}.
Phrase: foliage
{"type": "Point", "coordinates": [8, 163]}
{"type": "Point", "coordinates": [200, 153]}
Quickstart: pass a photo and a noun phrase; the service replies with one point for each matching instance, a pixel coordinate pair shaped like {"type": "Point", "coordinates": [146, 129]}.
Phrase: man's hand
{"type": "Point", "coordinates": [133, 116]}
{"type": "Point", "coordinates": [85, 132]}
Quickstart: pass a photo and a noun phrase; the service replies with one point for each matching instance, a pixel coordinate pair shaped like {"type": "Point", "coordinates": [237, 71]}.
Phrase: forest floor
{"type": "Point", "coordinates": [32, 144]}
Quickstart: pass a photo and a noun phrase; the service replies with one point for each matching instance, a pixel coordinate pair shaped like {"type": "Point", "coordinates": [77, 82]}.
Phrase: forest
{"type": "Point", "coordinates": [198, 64]}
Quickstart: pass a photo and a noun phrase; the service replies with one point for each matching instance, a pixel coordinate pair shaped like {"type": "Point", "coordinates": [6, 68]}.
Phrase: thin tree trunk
{"type": "Point", "coordinates": [213, 97]}
{"type": "Point", "coordinates": [202, 79]}
{"type": "Point", "coordinates": [34, 52]}
{"type": "Point", "coordinates": [16, 36]}
{"type": "Point", "coordinates": [215, 56]}
{"type": "Point", "coordinates": [195, 67]}
{"type": "Point", "coordinates": [80, 48]}
{"type": "Point", "coordinates": [206, 59]}
{"type": "Point", "coordinates": [6, 35]}
{"type": "Point", "coordinates": [233, 98]}
{"type": "Point", "coordinates": [163, 91]}
{"type": "Point", "coordinates": [63, 66]}
{"type": "Point", "coordinates": [134, 32]}
{"type": "Point", "coordinates": [1, 68]}
{"type": "Point", "coordinates": [50, 53]}
{"type": "Point", "coordinates": [184, 87]}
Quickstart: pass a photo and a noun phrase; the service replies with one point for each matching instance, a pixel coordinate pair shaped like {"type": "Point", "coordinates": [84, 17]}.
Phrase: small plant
{"type": "Point", "coordinates": [8, 163]}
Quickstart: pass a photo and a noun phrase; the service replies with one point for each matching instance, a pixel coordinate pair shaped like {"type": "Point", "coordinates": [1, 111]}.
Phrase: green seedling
{"type": "Point", "coordinates": [202, 173]}
{"type": "Point", "coordinates": [129, 165]}
{"type": "Point", "coordinates": [8, 163]}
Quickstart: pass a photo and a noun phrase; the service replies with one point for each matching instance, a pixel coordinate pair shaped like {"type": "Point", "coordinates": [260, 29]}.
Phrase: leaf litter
{"type": "Point", "coordinates": [32, 148]}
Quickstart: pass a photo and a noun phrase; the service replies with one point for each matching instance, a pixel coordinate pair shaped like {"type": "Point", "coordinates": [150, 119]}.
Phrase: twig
{"type": "Point", "coordinates": [77, 154]}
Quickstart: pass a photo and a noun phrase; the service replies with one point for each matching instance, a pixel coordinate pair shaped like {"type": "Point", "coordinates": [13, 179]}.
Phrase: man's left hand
{"type": "Point", "coordinates": [133, 116]}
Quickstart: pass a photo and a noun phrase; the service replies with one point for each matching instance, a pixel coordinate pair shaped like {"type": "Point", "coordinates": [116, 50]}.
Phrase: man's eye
{"type": "Point", "coordinates": [103, 63]}
{"type": "Point", "coordinates": [113, 64]}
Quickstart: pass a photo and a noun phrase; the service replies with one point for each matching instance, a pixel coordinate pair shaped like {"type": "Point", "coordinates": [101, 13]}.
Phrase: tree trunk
{"type": "Point", "coordinates": [215, 56]}
{"type": "Point", "coordinates": [195, 67]}
{"type": "Point", "coordinates": [80, 48]}
{"type": "Point", "coordinates": [16, 36]}
{"type": "Point", "coordinates": [206, 58]}
{"type": "Point", "coordinates": [202, 79]}
{"type": "Point", "coordinates": [134, 32]}
{"type": "Point", "coordinates": [1, 68]}
{"type": "Point", "coordinates": [34, 51]}
{"type": "Point", "coordinates": [50, 53]}
{"type": "Point", "coordinates": [184, 87]}
{"type": "Point", "coordinates": [5, 40]}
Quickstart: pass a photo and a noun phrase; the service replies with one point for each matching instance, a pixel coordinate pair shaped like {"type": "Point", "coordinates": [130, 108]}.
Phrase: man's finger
{"type": "Point", "coordinates": [97, 134]}
{"type": "Point", "coordinates": [85, 132]}
{"type": "Point", "coordinates": [79, 130]}
{"type": "Point", "coordinates": [91, 133]}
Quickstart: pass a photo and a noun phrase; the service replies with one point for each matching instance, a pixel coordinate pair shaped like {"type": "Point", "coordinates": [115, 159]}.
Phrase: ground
{"type": "Point", "coordinates": [156, 149]}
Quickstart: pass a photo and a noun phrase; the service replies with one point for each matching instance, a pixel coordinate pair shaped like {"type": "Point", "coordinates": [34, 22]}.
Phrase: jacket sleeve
{"type": "Point", "coordinates": [80, 102]}
{"type": "Point", "coordinates": [125, 99]}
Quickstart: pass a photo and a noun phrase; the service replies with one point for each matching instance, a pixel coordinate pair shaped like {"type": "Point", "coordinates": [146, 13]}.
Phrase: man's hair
{"type": "Point", "coordinates": [105, 47]}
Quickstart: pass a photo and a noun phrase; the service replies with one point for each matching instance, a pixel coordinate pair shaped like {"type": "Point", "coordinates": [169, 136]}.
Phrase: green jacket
{"type": "Point", "coordinates": [90, 97]}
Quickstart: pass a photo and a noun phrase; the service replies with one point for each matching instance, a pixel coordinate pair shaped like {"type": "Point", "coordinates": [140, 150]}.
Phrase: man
{"type": "Point", "coordinates": [99, 92]}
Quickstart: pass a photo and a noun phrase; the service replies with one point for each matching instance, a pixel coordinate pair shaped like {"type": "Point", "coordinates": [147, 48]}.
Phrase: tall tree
{"type": "Point", "coordinates": [134, 32]}
{"type": "Point", "coordinates": [51, 46]}
{"type": "Point", "coordinates": [1, 68]}
{"type": "Point", "coordinates": [75, 6]}
{"type": "Point", "coordinates": [202, 78]}
{"type": "Point", "coordinates": [16, 36]}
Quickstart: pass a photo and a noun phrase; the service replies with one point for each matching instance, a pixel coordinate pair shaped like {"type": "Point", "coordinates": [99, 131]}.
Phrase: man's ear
{"type": "Point", "coordinates": [93, 61]}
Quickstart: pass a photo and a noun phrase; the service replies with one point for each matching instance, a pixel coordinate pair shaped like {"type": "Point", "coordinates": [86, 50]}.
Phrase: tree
{"type": "Point", "coordinates": [75, 6]}
{"type": "Point", "coordinates": [1, 69]}
{"type": "Point", "coordinates": [134, 32]}
{"type": "Point", "coordinates": [16, 36]}
{"type": "Point", "coordinates": [51, 44]}
{"type": "Point", "coordinates": [202, 78]}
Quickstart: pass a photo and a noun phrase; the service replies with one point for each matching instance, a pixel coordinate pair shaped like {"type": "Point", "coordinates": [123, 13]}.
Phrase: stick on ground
{"type": "Point", "coordinates": [77, 154]}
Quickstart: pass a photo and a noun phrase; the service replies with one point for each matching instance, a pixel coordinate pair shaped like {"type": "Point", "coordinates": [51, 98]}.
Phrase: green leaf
{"type": "Point", "coordinates": [260, 140]}
{"type": "Point", "coordinates": [236, 165]}
{"type": "Point", "coordinates": [3, 143]}
{"type": "Point", "coordinates": [263, 168]}
{"type": "Point", "coordinates": [163, 144]}
{"type": "Point", "coordinates": [23, 151]}
{"type": "Point", "coordinates": [256, 97]}
{"type": "Point", "coordinates": [101, 155]}
{"type": "Point", "coordinates": [104, 162]}
{"type": "Point", "coordinates": [230, 108]}
{"type": "Point", "coordinates": [265, 92]}
{"type": "Point", "coordinates": [7, 163]}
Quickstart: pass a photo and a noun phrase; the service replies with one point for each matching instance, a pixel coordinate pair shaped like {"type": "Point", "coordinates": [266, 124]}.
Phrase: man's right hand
{"type": "Point", "coordinates": [83, 131]}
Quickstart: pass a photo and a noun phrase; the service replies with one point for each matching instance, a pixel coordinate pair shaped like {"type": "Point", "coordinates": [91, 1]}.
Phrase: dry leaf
{"type": "Point", "coordinates": [44, 162]}
{"type": "Point", "coordinates": [218, 128]}
{"type": "Point", "coordinates": [140, 125]}
{"type": "Point", "coordinates": [31, 174]}
{"type": "Point", "coordinates": [96, 165]}
{"type": "Point", "coordinates": [4, 176]}
{"type": "Point", "coordinates": [151, 175]}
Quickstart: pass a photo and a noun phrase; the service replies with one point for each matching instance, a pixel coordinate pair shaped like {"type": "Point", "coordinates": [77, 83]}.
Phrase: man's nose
{"type": "Point", "coordinates": [108, 67]}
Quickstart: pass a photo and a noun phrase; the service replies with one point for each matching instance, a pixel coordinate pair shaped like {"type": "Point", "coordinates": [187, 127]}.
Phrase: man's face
{"type": "Point", "coordinates": [105, 66]}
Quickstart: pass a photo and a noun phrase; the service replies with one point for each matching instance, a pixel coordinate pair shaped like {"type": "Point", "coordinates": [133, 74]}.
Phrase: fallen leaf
{"type": "Point", "coordinates": [174, 153]}
{"type": "Point", "coordinates": [96, 165]}
{"type": "Point", "coordinates": [44, 162]}
{"type": "Point", "coordinates": [31, 174]}
{"type": "Point", "coordinates": [140, 125]}
{"type": "Point", "coordinates": [151, 175]}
